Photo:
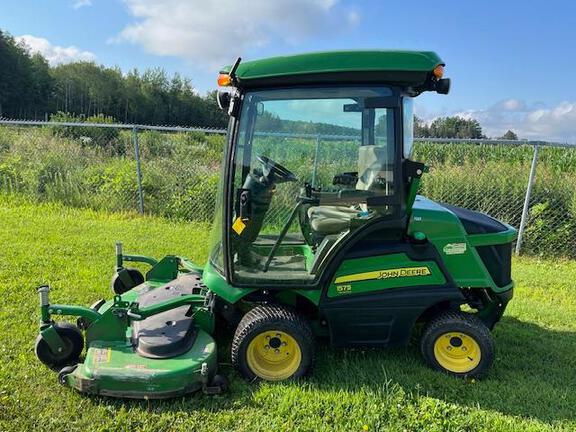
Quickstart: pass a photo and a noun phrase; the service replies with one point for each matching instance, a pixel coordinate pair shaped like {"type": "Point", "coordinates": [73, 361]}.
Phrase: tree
{"type": "Point", "coordinates": [421, 129]}
{"type": "Point", "coordinates": [30, 88]}
{"type": "Point", "coordinates": [510, 135]}
{"type": "Point", "coordinates": [455, 127]}
{"type": "Point", "coordinates": [25, 83]}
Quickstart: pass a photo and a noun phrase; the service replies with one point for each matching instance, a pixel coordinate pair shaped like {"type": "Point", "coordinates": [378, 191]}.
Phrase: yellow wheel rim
{"type": "Point", "coordinates": [457, 352]}
{"type": "Point", "coordinates": [274, 355]}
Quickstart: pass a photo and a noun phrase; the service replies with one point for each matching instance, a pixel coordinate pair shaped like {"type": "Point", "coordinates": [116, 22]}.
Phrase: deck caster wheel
{"type": "Point", "coordinates": [273, 343]}
{"type": "Point", "coordinates": [132, 279]}
{"type": "Point", "coordinates": [221, 382]}
{"type": "Point", "coordinates": [218, 385]}
{"type": "Point", "coordinates": [459, 344]}
{"type": "Point", "coordinates": [70, 353]}
{"type": "Point", "coordinates": [64, 372]}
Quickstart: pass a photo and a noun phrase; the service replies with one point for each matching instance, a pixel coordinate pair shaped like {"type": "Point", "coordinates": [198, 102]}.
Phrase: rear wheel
{"type": "Point", "coordinates": [458, 343]}
{"type": "Point", "coordinates": [273, 343]}
{"type": "Point", "coordinates": [70, 352]}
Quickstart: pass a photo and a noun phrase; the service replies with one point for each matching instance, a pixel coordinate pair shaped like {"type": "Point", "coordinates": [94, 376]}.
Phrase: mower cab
{"type": "Point", "coordinates": [318, 232]}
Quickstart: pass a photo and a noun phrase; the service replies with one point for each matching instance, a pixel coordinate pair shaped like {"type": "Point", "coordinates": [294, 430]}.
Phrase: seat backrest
{"type": "Point", "coordinates": [373, 172]}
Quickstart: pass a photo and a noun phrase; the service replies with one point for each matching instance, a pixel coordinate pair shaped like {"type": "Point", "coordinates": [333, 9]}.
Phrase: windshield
{"type": "Point", "coordinates": [309, 166]}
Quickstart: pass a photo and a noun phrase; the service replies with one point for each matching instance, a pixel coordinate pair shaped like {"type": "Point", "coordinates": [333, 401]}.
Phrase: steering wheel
{"type": "Point", "coordinates": [273, 169]}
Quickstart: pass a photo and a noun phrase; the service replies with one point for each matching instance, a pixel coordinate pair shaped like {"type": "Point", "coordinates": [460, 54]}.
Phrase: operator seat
{"type": "Point", "coordinates": [372, 174]}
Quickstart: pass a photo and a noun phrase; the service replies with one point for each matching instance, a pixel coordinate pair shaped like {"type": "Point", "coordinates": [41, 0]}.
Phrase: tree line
{"type": "Point", "coordinates": [31, 89]}
{"type": "Point", "coordinates": [454, 127]}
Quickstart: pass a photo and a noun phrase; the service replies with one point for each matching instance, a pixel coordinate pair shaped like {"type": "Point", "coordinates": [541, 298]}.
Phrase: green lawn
{"type": "Point", "coordinates": [531, 387]}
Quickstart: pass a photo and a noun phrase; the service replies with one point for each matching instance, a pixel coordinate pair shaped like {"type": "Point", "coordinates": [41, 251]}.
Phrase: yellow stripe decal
{"type": "Point", "coordinates": [385, 274]}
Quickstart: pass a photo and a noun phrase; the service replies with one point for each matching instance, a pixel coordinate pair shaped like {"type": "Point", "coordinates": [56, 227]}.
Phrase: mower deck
{"type": "Point", "coordinates": [116, 370]}
{"type": "Point", "coordinates": [164, 355]}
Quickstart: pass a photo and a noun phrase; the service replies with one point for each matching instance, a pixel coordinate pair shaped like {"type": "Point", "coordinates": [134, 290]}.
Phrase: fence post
{"type": "Point", "coordinates": [138, 169]}
{"type": "Point", "coordinates": [315, 160]}
{"type": "Point", "coordinates": [527, 200]}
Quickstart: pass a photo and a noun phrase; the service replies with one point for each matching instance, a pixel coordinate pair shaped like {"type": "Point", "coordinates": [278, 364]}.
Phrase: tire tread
{"type": "Point", "coordinates": [270, 314]}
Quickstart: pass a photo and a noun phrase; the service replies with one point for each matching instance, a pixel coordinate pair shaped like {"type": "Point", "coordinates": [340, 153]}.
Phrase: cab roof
{"type": "Point", "coordinates": [411, 68]}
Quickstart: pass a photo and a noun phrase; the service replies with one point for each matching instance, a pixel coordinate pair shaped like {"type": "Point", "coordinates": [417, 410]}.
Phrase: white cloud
{"type": "Point", "coordinates": [81, 3]}
{"type": "Point", "coordinates": [556, 123]}
{"type": "Point", "coordinates": [509, 105]}
{"type": "Point", "coordinates": [528, 121]}
{"type": "Point", "coordinates": [53, 53]}
{"type": "Point", "coordinates": [213, 33]}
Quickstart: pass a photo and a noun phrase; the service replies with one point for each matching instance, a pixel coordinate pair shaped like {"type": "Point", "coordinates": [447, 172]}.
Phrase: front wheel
{"type": "Point", "coordinates": [69, 354]}
{"type": "Point", "coordinates": [458, 343]}
{"type": "Point", "coordinates": [273, 343]}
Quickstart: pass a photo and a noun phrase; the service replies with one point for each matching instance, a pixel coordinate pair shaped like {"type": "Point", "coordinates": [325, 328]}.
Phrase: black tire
{"type": "Point", "coordinates": [118, 287]}
{"type": "Point", "coordinates": [466, 351]}
{"type": "Point", "coordinates": [282, 321]}
{"type": "Point", "coordinates": [74, 344]}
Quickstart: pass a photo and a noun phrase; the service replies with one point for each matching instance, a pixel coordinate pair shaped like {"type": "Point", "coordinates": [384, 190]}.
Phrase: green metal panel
{"type": "Point", "coordinates": [456, 247]}
{"type": "Point", "coordinates": [218, 285]}
{"type": "Point", "coordinates": [289, 296]}
{"type": "Point", "coordinates": [112, 368]}
{"type": "Point", "coordinates": [338, 61]}
{"type": "Point", "coordinates": [52, 338]}
{"type": "Point", "coordinates": [311, 294]}
{"type": "Point", "coordinates": [376, 273]}
{"type": "Point", "coordinates": [57, 309]}
{"type": "Point", "coordinates": [137, 258]}
{"type": "Point", "coordinates": [165, 270]}
{"type": "Point", "coordinates": [507, 236]}
{"type": "Point", "coordinates": [111, 326]}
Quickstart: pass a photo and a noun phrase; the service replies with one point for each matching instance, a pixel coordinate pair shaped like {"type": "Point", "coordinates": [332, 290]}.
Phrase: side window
{"type": "Point", "coordinates": [310, 165]}
{"type": "Point", "coordinates": [376, 162]}
{"type": "Point", "coordinates": [408, 125]}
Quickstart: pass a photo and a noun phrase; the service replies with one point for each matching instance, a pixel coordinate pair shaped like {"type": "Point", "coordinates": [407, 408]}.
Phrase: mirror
{"type": "Point", "coordinates": [223, 98]}
{"type": "Point", "coordinates": [354, 107]}
{"type": "Point", "coordinates": [443, 86]}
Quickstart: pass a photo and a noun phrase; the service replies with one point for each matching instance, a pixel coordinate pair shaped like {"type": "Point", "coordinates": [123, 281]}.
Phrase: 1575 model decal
{"type": "Point", "coordinates": [385, 274]}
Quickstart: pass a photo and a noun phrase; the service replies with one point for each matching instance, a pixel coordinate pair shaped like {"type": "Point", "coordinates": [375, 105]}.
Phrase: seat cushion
{"type": "Point", "coordinates": [330, 219]}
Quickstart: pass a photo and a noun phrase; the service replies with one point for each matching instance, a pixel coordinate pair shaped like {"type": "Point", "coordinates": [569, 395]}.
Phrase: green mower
{"type": "Point", "coordinates": [318, 233]}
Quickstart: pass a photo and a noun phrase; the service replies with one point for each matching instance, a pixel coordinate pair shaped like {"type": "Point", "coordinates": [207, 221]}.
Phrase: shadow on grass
{"type": "Point", "coordinates": [533, 376]}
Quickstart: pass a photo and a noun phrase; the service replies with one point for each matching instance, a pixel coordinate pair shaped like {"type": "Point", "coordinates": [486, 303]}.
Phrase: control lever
{"type": "Point", "coordinates": [134, 316]}
{"type": "Point", "coordinates": [244, 204]}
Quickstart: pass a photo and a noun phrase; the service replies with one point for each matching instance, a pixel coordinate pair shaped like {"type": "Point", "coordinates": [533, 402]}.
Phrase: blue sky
{"type": "Point", "coordinates": [512, 63]}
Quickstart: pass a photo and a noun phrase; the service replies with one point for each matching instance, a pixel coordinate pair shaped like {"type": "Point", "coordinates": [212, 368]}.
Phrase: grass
{"type": "Point", "coordinates": [530, 388]}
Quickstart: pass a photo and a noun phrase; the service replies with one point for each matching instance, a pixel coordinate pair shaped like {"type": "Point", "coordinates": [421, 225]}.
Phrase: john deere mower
{"type": "Point", "coordinates": [318, 233]}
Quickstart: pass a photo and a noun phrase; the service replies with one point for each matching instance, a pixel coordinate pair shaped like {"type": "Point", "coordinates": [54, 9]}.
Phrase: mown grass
{"type": "Point", "coordinates": [530, 388]}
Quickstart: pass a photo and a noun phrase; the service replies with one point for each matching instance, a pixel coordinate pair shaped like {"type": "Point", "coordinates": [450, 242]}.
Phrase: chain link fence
{"type": "Point", "coordinates": [174, 172]}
